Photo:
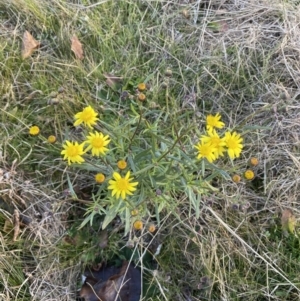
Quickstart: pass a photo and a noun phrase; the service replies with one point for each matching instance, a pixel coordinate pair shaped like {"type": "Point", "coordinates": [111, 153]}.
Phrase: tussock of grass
{"type": "Point", "coordinates": [237, 58]}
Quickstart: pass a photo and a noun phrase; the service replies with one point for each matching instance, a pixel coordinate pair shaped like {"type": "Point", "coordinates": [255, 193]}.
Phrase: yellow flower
{"type": "Point", "coordinates": [34, 130]}
{"type": "Point", "coordinates": [88, 116]}
{"type": "Point", "coordinates": [51, 139]}
{"type": "Point", "coordinates": [141, 97]}
{"type": "Point", "coordinates": [249, 174]}
{"type": "Point", "coordinates": [73, 152]}
{"type": "Point", "coordinates": [217, 142]}
{"type": "Point", "coordinates": [214, 122]}
{"type": "Point", "coordinates": [234, 144]}
{"type": "Point", "coordinates": [141, 87]}
{"type": "Point", "coordinates": [151, 228]}
{"type": "Point", "coordinates": [138, 225]}
{"type": "Point", "coordinates": [236, 178]}
{"type": "Point", "coordinates": [206, 150]}
{"type": "Point", "coordinates": [168, 73]}
{"type": "Point", "coordinates": [253, 161]}
{"type": "Point", "coordinates": [134, 212]}
{"type": "Point", "coordinates": [122, 186]}
{"type": "Point", "coordinates": [122, 164]}
{"type": "Point", "coordinates": [99, 178]}
{"type": "Point", "coordinates": [97, 142]}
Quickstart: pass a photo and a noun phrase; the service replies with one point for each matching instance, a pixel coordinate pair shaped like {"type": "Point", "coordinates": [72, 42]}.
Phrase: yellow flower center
{"type": "Point", "coordinates": [122, 184]}
{"type": "Point", "coordinates": [97, 142]}
{"type": "Point", "coordinates": [232, 143]}
{"type": "Point", "coordinates": [73, 151]}
{"type": "Point", "coordinates": [87, 115]}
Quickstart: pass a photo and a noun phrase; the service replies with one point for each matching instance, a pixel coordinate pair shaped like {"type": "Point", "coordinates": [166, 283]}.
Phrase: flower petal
{"type": "Point", "coordinates": [116, 176]}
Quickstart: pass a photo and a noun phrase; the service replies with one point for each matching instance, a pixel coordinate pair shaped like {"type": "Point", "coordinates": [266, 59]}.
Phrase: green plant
{"type": "Point", "coordinates": [163, 171]}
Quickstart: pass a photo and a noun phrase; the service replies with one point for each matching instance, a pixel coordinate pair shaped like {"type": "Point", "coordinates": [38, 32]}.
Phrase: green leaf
{"type": "Point", "coordinates": [89, 218]}
{"type": "Point", "coordinates": [74, 195]}
{"type": "Point", "coordinates": [110, 215]}
{"type": "Point", "coordinates": [194, 199]}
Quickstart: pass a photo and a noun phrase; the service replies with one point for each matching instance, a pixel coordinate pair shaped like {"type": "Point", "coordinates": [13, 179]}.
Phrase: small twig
{"type": "Point", "coordinates": [172, 147]}
{"type": "Point", "coordinates": [138, 125]}
{"type": "Point", "coordinates": [94, 291]}
{"type": "Point", "coordinates": [16, 221]}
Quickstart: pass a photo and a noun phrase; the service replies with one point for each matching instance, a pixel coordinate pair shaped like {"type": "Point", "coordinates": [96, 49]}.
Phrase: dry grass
{"type": "Point", "coordinates": [239, 58]}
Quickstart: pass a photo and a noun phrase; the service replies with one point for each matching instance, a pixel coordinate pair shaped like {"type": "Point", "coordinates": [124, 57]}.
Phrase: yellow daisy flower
{"type": "Point", "coordinates": [214, 122]}
{"type": "Point", "coordinates": [206, 150]}
{"type": "Point", "coordinates": [99, 178]}
{"type": "Point", "coordinates": [217, 142]}
{"type": "Point", "coordinates": [122, 186]}
{"type": "Point", "coordinates": [34, 130]}
{"type": "Point", "coordinates": [234, 144]}
{"type": "Point", "coordinates": [88, 116]}
{"type": "Point", "coordinates": [97, 142]}
{"type": "Point", "coordinates": [73, 152]}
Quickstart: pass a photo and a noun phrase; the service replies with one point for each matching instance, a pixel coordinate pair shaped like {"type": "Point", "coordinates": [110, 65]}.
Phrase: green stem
{"type": "Point", "coordinates": [138, 125]}
{"type": "Point", "coordinates": [172, 147]}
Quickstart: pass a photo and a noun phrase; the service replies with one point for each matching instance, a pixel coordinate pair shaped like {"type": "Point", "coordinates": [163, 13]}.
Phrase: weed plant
{"type": "Point", "coordinates": [173, 143]}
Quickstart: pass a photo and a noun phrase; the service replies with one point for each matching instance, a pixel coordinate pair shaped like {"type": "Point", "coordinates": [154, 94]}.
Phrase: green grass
{"type": "Point", "coordinates": [220, 240]}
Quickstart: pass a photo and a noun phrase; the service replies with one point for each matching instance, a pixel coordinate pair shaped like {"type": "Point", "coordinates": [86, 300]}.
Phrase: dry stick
{"type": "Point", "coordinates": [94, 291]}
{"type": "Point", "coordinates": [249, 247]}
{"type": "Point", "coordinates": [122, 284]}
{"type": "Point", "coordinates": [16, 224]}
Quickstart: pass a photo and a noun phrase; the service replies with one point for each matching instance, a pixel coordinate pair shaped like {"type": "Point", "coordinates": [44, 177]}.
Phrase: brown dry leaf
{"type": "Point", "coordinates": [29, 45]}
{"type": "Point", "coordinates": [7, 226]}
{"type": "Point", "coordinates": [288, 221]}
{"type": "Point", "coordinates": [76, 47]}
{"type": "Point", "coordinates": [69, 240]}
{"type": "Point", "coordinates": [112, 283]}
{"type": "Point", "coordinates": [186, 14]}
